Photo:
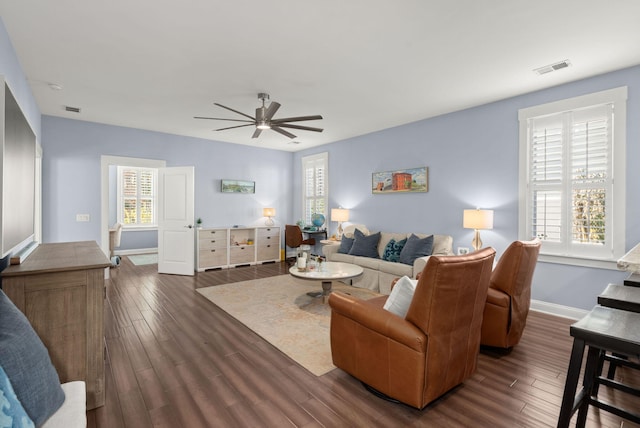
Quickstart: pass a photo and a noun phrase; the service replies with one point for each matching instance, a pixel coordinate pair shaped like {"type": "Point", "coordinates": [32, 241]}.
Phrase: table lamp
{"type": "Point", "coordinates": [340, 215]}
{"type": "Point", "coordinates": [269, 213]}
{"type": "Point", "coordinates": [477, 219]}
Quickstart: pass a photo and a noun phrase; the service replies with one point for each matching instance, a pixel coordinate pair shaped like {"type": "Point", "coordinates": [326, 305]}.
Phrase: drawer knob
{"type": "Point", "coordinates": [213, 251]}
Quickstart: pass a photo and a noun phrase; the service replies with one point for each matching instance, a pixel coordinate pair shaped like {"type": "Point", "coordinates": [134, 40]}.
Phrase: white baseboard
{"type": "Point", "coordinates": [136, 251]}
{"type": "Point", "coordinates": [558, 310]}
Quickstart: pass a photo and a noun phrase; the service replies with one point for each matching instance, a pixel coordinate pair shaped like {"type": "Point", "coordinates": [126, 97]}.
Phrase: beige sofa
{"type": "Point", "coordinates": [378, 273]}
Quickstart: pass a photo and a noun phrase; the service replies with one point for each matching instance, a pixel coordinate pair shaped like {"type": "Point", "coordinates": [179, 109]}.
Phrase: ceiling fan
{"type": "Point", "coordinates": [264, 119]}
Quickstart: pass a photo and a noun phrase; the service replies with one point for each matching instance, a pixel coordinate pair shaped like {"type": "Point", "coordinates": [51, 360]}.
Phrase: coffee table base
{"type": "Point", "coordinates": [326, 290]}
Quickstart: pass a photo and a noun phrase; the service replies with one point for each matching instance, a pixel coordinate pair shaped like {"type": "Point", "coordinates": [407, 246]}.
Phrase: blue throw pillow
{"type": "Point", "coordinates": [345, 245]}
{"type": "Point", "coordinates": [12, 414]}
{"type": "Point", "coordinates": [366, 246]}
{"type": "Point", "coordinates": [393, 249]}
{"type": "Point", "coordinates": [416, 247]}
{"type": "Point", "coordinates": [27, 364]}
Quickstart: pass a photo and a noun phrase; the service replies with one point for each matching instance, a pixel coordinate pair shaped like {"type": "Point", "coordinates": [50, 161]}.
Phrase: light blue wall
{"type": "Point", "coordinates": [71, 177]}
{"type": "Point", "coordinates": [472, 156]}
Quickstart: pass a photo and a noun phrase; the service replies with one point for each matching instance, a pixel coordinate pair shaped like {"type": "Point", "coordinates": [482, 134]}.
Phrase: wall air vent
{"type": "Point", "coordinates": [72, 109]}
{"type": "Point", "coordinates": [553, 67]}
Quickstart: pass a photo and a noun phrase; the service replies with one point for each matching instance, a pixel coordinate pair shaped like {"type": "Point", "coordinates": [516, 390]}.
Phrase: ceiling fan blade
{"type": "Point", "coordinates": [257, 132]}
{"type": "Point", "coordinates": [271, 110]}
{"type": "Point", "coordinates": [235, 111]}
{"type": "Point", "coordinates": [232, 127]}
{"type": "Point", "coordinates": [305, 128]}
{"type": "Point", "coordinates": [219, 118]}
{"type": "Point", "coordinates": [296, 119]}
{"type": "Point", "coordinates": [282, 131]}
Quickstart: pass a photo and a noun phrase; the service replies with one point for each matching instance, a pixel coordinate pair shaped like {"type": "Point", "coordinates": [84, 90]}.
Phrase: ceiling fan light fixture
{"type": "Point", "coordinates": [263, 124]}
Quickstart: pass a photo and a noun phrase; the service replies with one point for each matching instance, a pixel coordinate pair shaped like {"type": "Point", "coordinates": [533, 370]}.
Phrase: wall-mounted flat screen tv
{"type": "Point", "coordinates": [18, 160]}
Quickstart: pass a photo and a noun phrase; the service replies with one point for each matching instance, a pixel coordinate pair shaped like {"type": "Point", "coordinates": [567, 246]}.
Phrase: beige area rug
{"type": "Point", "coordinates": [279, 310]}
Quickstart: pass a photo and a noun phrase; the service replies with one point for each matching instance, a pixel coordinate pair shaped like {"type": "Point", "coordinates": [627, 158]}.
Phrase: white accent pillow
{"type": "Point", "coordinates": [349, 230]}
{"type": "Point", "coordinates": [400, 298]}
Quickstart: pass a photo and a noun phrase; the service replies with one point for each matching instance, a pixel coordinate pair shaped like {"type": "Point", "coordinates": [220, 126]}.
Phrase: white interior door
{"type": "Point", "coordinates": [176, 250]}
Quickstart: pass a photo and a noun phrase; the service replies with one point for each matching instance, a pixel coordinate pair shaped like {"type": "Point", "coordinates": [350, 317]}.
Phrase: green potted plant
{"type": "Point", "coordinates": [199, 222]}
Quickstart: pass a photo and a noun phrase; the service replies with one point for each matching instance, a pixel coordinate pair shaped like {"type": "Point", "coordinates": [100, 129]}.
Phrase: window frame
{"type": "Point", "coordinates": [616, 193]}
{"type": "Point", "coordinates": [120, 197]}
{"type": "Point", "coordinates": [306, 161]}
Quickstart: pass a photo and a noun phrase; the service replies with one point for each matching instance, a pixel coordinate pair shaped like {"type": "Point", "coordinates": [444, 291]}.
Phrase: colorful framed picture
{"type": "Point", "coordinates": [400, 181]}
{"type": "Point", "coordinates": [238, 186]}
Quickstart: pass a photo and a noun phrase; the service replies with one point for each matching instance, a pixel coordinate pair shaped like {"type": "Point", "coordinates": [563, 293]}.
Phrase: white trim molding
{"type": "Point", "coordinates": [558, 310]}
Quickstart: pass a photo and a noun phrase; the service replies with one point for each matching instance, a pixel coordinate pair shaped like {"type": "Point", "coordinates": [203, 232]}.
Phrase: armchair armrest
{"type": "Point", "coordinates": [418, 265]}
{"type": "Point", "coordinates": [378, 320]}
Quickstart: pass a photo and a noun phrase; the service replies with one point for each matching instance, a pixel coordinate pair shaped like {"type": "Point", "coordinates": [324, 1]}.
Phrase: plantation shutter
{"type": "Point", "coordinates": [315, 187]}
{"type": "Point", "coordinates": [137, 196]}
{"type": "Point", "coordinates": [570, 183]}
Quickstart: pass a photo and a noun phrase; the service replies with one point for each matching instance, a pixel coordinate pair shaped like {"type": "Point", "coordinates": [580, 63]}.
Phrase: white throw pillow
{"type": "Point", "coordinates": [400, 298]}
{"type": "Point", "coordinates": [349, 230]}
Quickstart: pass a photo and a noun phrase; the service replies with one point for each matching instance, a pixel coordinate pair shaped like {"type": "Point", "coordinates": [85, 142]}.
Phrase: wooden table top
{"type": "Point", "coordinates": [61, 256]}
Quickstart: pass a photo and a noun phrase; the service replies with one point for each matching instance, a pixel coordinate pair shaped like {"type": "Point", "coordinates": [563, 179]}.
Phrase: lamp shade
{"type": "Point", "coordinates": [339, 214]}
{"type": "Point", "coordinates": [268, 212]}
{"type": "Point", "coordinates": [478, 219]}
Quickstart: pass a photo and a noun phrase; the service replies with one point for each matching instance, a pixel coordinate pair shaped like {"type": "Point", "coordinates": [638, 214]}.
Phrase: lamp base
{"type": "Point", "coordinates": [269, 222]}
{"type": "Point", "coordinates": [477, 242]}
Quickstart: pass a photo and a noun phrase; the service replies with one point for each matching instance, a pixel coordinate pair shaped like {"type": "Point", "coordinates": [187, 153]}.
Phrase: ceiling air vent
{"type": "Point", "coordinates": [72, 109]}
{"type": "Point", "coordinates": [553, 67]}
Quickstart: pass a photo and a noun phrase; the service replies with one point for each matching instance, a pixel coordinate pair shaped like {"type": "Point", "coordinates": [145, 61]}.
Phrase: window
{"type": "Point", "coordinates": [315, 188]}
{"type": "Point", "coordinates": [572, 176]}
{"type": "Point", "coordinates": [137, 196]}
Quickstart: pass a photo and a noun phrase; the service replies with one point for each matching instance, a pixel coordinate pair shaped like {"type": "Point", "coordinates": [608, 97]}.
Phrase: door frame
{"type": "Point", "coordinates": [105, 162]}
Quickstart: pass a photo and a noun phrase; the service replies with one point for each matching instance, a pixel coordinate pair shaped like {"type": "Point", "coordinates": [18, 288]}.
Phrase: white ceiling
{"type": "Point", "coordinates": [364, 65]}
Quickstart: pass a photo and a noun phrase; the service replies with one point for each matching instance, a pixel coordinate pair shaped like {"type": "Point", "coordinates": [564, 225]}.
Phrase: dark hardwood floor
{"type": "Point", "coordinates": [174, 359]}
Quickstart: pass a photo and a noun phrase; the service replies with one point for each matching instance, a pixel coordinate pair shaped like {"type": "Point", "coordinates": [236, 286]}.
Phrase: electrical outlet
{"type": "Point", "coordinates": [82, 217]}
{"type": "Point", "coordinates": [463, 250]}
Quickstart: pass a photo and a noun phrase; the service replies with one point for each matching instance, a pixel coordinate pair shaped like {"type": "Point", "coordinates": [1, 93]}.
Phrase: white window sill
{"type": "Point", "coordinates": [139, 228]}
{"type": "Point", "coordinates": [579, 261]}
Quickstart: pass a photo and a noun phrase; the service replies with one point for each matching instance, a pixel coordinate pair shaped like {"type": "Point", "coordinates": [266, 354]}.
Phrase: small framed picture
{"type": "Point", "coordinates": [463, 251]}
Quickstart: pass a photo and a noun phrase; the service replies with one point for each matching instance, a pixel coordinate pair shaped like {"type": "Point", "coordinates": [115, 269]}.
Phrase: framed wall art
{"type": "Point", "coordinates": [238, 186]}
{"type": "Point", "coordinates": [403, 180]}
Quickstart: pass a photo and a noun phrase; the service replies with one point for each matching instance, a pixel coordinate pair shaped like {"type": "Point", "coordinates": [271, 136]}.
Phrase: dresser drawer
{"type": "Point", "coordinates": [212, 258]}
{"type": "Point", "coordinates": [242, 254]}
{"type": "Point", "coordinates": [212, 233]}
{"type": "Point", "coordinates": [268, 232]}
{"type": "Point", "coordinates": [268, 252]}
{"type": "Point", "coordinates": [212, 242]}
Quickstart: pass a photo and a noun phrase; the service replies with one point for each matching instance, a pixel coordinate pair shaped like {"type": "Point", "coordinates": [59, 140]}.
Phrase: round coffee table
{"type": "Point", "coordinates": [328, 272]}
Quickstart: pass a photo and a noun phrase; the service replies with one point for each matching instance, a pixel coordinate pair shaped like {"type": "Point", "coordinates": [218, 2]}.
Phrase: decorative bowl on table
{"type": "Point", "coordinates": [317, 220]}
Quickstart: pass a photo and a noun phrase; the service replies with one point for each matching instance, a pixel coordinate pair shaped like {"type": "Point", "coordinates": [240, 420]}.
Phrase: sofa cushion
{"type": "Point", "coordinates": [401, 295]}
{"type": "Point", "coordinates": [367, 262]}
{"type": "Point", "coordinates": [366, 246]}
{"type": "Point", "coordinates": [416, 247]}
{"type": "Point", "coordinates": [12, 414]}
{"type": "Point", "coordinates": [345, 245]}
{"type": "Point", "coordinates": [26, 362]}
{"type": "Point", "coordinates": [392, 250]}
{"type": "Point", "coordinates": [345, 258]}
{"type": "Point", "coordinates": [396, 269]}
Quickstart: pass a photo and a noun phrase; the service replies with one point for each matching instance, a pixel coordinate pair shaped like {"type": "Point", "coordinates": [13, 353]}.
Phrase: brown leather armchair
{"type": "Point", "coordinates": [509, 296]}
{"type": "Point", "coordinates": [417, 359]}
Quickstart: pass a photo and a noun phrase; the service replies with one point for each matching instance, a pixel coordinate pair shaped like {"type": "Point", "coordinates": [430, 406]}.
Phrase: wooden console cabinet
{"type": "Point", "coordinates": [60, 289]}
{"type": "Point", "coordinates": [236, 246]}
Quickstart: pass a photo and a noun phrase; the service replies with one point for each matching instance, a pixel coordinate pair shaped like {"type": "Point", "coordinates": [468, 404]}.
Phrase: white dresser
{"type": "Point", "coordinates": [224, 247]}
